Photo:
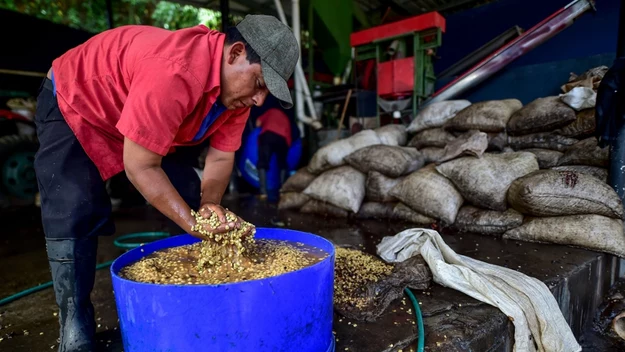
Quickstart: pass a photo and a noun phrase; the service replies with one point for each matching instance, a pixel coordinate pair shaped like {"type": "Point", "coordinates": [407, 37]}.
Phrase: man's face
{"type": "Point", "coordinates": [242, 83]}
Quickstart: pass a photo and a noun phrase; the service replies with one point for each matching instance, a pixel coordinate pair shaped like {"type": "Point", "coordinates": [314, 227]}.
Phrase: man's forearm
{"type": "Point", "coordinates": [215, 181]}
{"type": "Point", "coordinates": [156, 188]}
{"type": "Point", "coordinates": [216, 175]}
{"type": "Point", "coordinates": [213, 190]}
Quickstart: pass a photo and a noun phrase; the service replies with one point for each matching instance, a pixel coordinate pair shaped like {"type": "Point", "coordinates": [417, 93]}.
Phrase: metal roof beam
{"type": "Point", "coordinates": [453, 4]}
{"type": "Point", "coordinates": [395, 7]}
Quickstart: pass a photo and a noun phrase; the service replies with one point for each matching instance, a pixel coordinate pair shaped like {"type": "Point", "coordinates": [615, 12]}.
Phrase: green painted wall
{"type": "Point", "coordinates": [332, 25]}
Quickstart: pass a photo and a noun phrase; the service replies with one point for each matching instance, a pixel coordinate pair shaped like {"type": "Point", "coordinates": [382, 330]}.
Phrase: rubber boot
{"type": "Point", "coordinates": [262, 179]}
{"type": "Point", "coordinates": [283, 176]}
{"type": "Point", "coordinates": [72, 263]}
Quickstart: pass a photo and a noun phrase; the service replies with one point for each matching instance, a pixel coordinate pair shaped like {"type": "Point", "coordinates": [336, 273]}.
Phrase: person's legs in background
{"type": "Point", "coordinates": [75, 210]}
{"type": "Point", "coordinates": [271, 144]}
{"type": "Point", "coordinates": [265, 151]}
{"type": "Point", "coordinates": [282, 151]}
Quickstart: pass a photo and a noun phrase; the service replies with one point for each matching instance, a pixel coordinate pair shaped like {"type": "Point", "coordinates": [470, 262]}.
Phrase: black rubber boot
{"type": "Point", "coordinates": [72, 263]}
{"type": "Point", "coordinates": [262, 180]}
{"type": "Point", "coordinates": [283, 176]}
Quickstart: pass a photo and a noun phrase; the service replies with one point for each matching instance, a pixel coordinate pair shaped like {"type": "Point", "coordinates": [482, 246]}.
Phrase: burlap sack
{"type": "Point", "coordinates": [433, 137]}
{"type": "Point", "coordinates": [547, 158]}
{"type": "Point", "coordinates": [389, 160]}
{"type": "Point", "coordinates": [556, 193]}
{"type": "Point", "coordinates": [484, 181]}
{"type": "Point", "coordinates": [378, 187]}
{"type": "Point", "coordinates": [584, 125]}
{"type": "Point", "coordinates": [488, 222]}
{"type": "Point", "coordinates": [486, 116]}
{"type": "Point", "coordinates": [333, 154]}
{"type": "Point", "coordinates": [545, 140]}
{"type": "Point", "coordinates": [436, 114]}
{"type": "Point", "coordinates": [292, 200]}
{"type": "Point", "coordinates": [592, 232]}
{"type": "Point", "coordinates": [586, 152]}
{"type": "Point", "coordinates": [541, 115]}
{"type": "Point", "coordinates": [343, 187]}
{"type": "Point", "coordinates": [428, 192]}
{"type": "Point", "coordinates": [298, 181]}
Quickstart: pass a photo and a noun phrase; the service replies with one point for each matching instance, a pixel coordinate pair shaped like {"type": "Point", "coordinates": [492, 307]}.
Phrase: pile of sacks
{"type": "Point", "coordinates": [532, 173]}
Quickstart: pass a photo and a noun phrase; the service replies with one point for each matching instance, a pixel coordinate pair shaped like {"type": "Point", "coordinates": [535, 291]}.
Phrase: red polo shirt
{"type": "Point", "coordinates": [148, 84]}
{"type": "Point", "coordinates": [275, 120]}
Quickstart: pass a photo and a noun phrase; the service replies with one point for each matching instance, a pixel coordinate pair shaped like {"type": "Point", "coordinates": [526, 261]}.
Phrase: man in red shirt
{"type": "Point", "coordinates": [274, 139]}
{"type": "Point", "coordinates": [125, 100]}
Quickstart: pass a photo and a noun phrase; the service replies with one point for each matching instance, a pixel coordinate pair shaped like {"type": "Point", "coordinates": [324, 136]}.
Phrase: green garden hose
{"type": "Point", "coordinates": [417, 312]}
{"type": "Point", "coordinates": [120, 242]}
{"type": "Point", "coordinates": [38, 288]}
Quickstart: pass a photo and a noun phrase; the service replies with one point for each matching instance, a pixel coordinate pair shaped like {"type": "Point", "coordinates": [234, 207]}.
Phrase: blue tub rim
{"type": "Point", "coordinates": [114, 270]}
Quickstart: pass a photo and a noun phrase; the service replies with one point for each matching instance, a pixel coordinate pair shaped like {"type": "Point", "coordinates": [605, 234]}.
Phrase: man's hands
{"type": "Point", "coordinates": [226, 221]}
{"type": "Point", "coordinates": [215, 179]}
{"type": "Point", "coordinates": [207, 211]}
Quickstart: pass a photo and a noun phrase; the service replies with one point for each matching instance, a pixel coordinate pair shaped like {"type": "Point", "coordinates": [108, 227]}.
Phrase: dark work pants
{"type": "Point", "coordinates": [616, 170]}
{"type": "Point", "coordinates": [270, 143]}
{"type": "Point", "coordinates": [74, 200]}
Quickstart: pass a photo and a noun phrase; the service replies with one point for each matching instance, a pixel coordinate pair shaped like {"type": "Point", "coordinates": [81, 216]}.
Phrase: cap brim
{"type": "Point", "coordinates": [277, 86]}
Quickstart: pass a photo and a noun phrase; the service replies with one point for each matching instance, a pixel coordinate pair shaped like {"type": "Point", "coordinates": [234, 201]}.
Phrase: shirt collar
{"type": "Point", "coordinates": [216, 43]}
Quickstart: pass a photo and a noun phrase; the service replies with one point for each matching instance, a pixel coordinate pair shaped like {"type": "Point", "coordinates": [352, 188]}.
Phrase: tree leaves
{"type": "Point", "coordinates": [91, 15]}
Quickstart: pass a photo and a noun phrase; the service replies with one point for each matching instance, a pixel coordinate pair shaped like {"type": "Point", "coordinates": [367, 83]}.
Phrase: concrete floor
{"type": "Point", "coordinates": [453, 321]}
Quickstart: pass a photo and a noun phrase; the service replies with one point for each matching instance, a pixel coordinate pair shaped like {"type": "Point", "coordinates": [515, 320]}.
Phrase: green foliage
{"type": "Point", "coordinates": [92, 15]}
{"type": "Point", "coordinates": [172, 16]}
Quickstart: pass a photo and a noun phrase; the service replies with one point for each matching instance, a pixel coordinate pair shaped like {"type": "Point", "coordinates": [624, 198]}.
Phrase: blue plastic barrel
{"type": "Point", "coordinates": [288, 312]}
{"type": "Point", "coordinates": [248, 159]}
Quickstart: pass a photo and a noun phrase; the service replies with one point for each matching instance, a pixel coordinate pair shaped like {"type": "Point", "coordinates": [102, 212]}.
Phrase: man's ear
{"type": "Point", "coordinates": [236, 49]}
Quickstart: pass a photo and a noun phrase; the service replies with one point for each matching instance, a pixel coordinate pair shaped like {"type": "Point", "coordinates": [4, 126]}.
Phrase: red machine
{"type": "Point", "coordinates": [403, 53]}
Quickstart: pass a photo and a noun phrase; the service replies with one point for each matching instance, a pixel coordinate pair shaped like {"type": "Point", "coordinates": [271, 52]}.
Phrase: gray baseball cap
{"type": "Point", "coordinates": [277, 47]}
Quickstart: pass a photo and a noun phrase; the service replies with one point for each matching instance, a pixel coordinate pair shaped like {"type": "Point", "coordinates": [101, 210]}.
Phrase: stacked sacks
{"type": "Point", "coordinates": [484, 182]}
{"type": "Point", "coordinates": [464, 129]}
{"type": "Point", "coordinates": [334, 182]}
{"type": "Point", "coordinates": [530, 172]}
{"type": "Point", "coordinates": [490, 117]}
{"type": "Point", "coordinates": [355, 176]}
{"type": "Point", "coordinates": [342, 187]}
{"type": "Point", "coordinates": [568, 207]}
{"type": "Point", "coordinates": [584, 156]}
{"type": "Point", "coordinates": [532, 129]}
{"type": "Point", "coordinates": [380, 204]}
{"type": "Point", "coordinates": [428, 192]}
{"type": "Point", "coordinates": [445, 131]}
{"type": "Point", "coordinates": [559, 129]}
{"type": "Point", "coordinates": [333, 154]}
{"type": "Point", "coordinates": [385, 166]}
{"type": "Point", "coordinates": [430, 138]}
{"type": "Point", "coordinates": [338, 188]}
{"type": "Point", "coordinates": [291, 196]}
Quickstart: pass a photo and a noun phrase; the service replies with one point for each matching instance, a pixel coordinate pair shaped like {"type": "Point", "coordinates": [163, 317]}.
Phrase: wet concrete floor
{"type": "Point", "coordinates": [453, 321]}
